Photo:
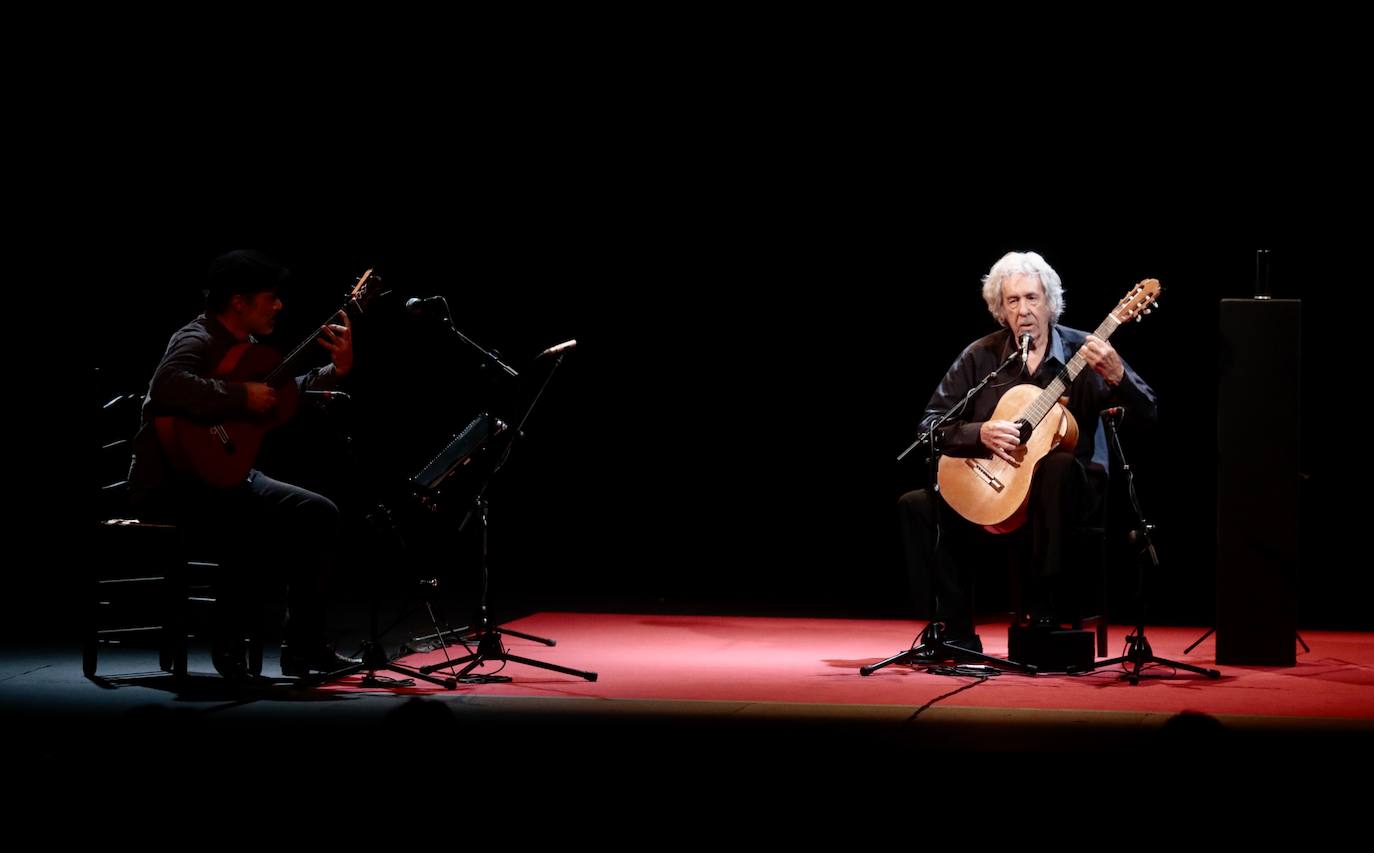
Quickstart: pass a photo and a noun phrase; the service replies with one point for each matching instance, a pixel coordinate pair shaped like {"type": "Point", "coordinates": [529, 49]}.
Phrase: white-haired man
{"type": "Point", "coordinates": [1026, 297]}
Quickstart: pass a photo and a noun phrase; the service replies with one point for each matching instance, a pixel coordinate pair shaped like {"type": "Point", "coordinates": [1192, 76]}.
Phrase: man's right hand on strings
{"type": "Point", "coordinates": [261, 398]}
{"type": "Point", "coordinates": [1001, 437]}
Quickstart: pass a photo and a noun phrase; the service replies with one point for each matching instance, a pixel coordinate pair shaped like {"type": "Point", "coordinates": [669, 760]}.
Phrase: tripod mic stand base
{"type": "Point", "coordinates": [374, 658]}
{"type": "Point", "coordinates": [489, 648]}
{"type": "Point", "coordinates": [466, 636]}
{"type": "Point", "coordinates": [1138, 654]}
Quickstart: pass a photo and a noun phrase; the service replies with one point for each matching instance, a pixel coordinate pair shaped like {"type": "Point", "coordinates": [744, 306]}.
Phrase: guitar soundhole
{"type": "Point", "coordinates": [1026, 429]}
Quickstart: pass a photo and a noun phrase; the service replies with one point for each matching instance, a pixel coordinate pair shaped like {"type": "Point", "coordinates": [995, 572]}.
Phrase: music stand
{"type": "Point", "coordinates": [460, 451]}
{"type": "Point", "coordinates": [482, 632]}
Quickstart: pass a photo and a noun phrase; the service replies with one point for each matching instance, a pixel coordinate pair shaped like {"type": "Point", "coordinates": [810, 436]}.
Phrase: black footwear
{"type": "Point", "coordinates": [230, 659]}
{"type": "Point", "coordinates": [317, 657]}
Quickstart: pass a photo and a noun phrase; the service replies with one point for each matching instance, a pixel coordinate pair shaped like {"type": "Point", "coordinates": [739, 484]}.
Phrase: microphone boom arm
{"type": "Point", "coordinates": [490, 355]}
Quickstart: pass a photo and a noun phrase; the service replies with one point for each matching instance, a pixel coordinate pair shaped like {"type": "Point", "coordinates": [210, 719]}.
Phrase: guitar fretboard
{"type": "Point", "coordinates": [281, 369]}
{"type": "Point", "coordinates": [361, 293]}
{"type": "Point", "coordinates": [1045, 400]}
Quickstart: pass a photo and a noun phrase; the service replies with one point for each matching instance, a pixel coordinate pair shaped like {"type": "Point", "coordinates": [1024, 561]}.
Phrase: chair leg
{"type": "Point", "coordinates": [174, 651]}
{"type": "Point", "coordinates": [255, 649]}
{"type": "Point", "coordinates": [90, 628]}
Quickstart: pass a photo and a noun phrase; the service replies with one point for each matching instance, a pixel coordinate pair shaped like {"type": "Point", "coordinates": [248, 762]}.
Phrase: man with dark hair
{"type": "Point", "coordinates": [259, 520]}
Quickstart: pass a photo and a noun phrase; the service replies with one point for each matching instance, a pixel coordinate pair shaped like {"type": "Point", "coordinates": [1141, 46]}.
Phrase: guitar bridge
{"type": "Point", "coordinates": [218, 431]}
{"type": "Point", "coordinates": [985, 475]}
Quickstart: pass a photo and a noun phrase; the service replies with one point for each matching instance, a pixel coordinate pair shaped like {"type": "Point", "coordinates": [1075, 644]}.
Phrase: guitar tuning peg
{"type": "Point", "coordinates": [1138, 317]}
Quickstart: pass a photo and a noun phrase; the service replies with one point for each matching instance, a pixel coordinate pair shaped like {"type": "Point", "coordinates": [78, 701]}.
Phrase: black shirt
{"type": "Point", "coordinates": [182, 385]}
{"type": "Point", "coordinates": [1088, 395]}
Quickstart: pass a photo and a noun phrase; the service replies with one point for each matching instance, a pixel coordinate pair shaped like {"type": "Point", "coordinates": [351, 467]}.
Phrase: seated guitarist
{"type": "Point", "coordinates": [261, 520]}
{"type": "Point", "coordinates": [1025, 296]}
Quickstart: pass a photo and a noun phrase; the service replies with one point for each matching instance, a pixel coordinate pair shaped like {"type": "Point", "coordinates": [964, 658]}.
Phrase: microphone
{"type": "Point", "coordinates": [1025, 345]}
{"type": "Point", "coordinates": [1113, 412]}
{"type": "Point", "coordinates": [558, 349]}
{"type": "Point", "coordinates": [420, 306]}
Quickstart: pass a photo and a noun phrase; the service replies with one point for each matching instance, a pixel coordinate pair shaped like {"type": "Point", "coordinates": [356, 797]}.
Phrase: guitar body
{"type": "Point", "coordinates": [221, 455]}
{"type": "Point", "coordinates": [993, 492]}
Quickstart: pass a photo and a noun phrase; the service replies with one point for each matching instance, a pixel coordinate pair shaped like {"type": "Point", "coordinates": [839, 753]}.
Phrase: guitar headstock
{"type": "Point", "coordinates": [1138, 301]}
{"type": "Point", "coordinates": [369, 287]}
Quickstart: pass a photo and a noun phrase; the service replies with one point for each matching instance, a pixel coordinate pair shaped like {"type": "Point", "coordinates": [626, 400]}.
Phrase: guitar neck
{"type": "Point", "coordinates": [1046, 399]}
{"type": "Point", "coordinates": [283, 368]}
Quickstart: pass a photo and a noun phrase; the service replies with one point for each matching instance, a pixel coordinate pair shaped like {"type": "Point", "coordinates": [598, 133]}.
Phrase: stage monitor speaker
{"type": "Point", "coordinates": [1257, 481]}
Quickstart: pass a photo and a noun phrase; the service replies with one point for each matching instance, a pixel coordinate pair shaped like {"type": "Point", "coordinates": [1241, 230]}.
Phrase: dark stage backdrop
{"type": "Point", "coordinates": [749, 364]}
{"type": "Point", "coordinates": [768, 263]}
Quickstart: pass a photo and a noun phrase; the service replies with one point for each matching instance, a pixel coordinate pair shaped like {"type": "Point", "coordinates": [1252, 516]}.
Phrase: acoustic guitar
{"type": "Point", "coordinates": [222, 454]}
{"type": "Point", "coordinates": [992, 491]}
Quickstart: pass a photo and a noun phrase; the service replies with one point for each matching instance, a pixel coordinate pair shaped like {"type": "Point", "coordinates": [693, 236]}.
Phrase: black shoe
{"type": "Point", "coordinates": [230, 659]}
{"type": "Point", "coordinates": [317, 657]}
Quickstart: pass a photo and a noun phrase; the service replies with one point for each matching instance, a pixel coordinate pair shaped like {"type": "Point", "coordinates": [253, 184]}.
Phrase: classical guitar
{"type": "Point", "coordinates": [222, 454]}
{"type": "Point", "coordinates": [991, 491]}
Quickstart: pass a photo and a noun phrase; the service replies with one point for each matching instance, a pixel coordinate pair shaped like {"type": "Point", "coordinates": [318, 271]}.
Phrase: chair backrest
{"type": "Point", "coordinates": [118, 422]}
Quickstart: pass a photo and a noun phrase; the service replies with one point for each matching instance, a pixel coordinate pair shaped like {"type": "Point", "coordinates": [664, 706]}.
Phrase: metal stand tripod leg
{"type": "Point", "coordinates": [488, 638]}
{"type": "Point", "coordinates": [1138, 654]}
{"type": "Point", "coordinates": [1138, 651]}
{"type": "Point", "coordinates": [1198, 641]}
{"type": "Point", "coordinates": [1211, 631]}
{"type": "Point", "coordinates": [467, 635]}
{"type": "Point", "coordinates": [489, 648]}
{"type": "Point", "coordinates": [374, 658]}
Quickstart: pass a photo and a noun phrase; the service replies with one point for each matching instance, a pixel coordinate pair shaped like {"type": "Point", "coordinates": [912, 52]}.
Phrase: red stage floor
{"type": "Point", "coordinates": [816, 662]}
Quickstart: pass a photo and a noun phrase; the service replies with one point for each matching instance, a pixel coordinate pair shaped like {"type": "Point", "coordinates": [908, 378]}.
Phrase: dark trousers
{"type": "Point", "coordinates": [941, 547]}
{"type": "Point", "coordinates": [265, 532]}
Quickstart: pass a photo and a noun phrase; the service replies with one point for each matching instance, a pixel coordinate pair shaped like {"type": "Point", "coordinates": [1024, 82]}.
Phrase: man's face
{"type": "Point", "coordinates": [1023, 300]}
{"type": "Point", "coordinates": [259, 311]}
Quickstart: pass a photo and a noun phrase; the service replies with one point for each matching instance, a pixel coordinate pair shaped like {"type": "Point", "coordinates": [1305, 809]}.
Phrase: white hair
{"type": "Point", "coordinates": [1028, 263]}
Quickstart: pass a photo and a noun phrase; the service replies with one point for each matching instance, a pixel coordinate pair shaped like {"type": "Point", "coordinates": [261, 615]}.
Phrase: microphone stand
{"type": "Point", "coordinates": [1138, 651]}
{"type": "Point", "coordinates": [930, 646]}
{"type": "Point", "coordinates": [488, 356]}
{"type": "Point", "coordinates": [930, 437]}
